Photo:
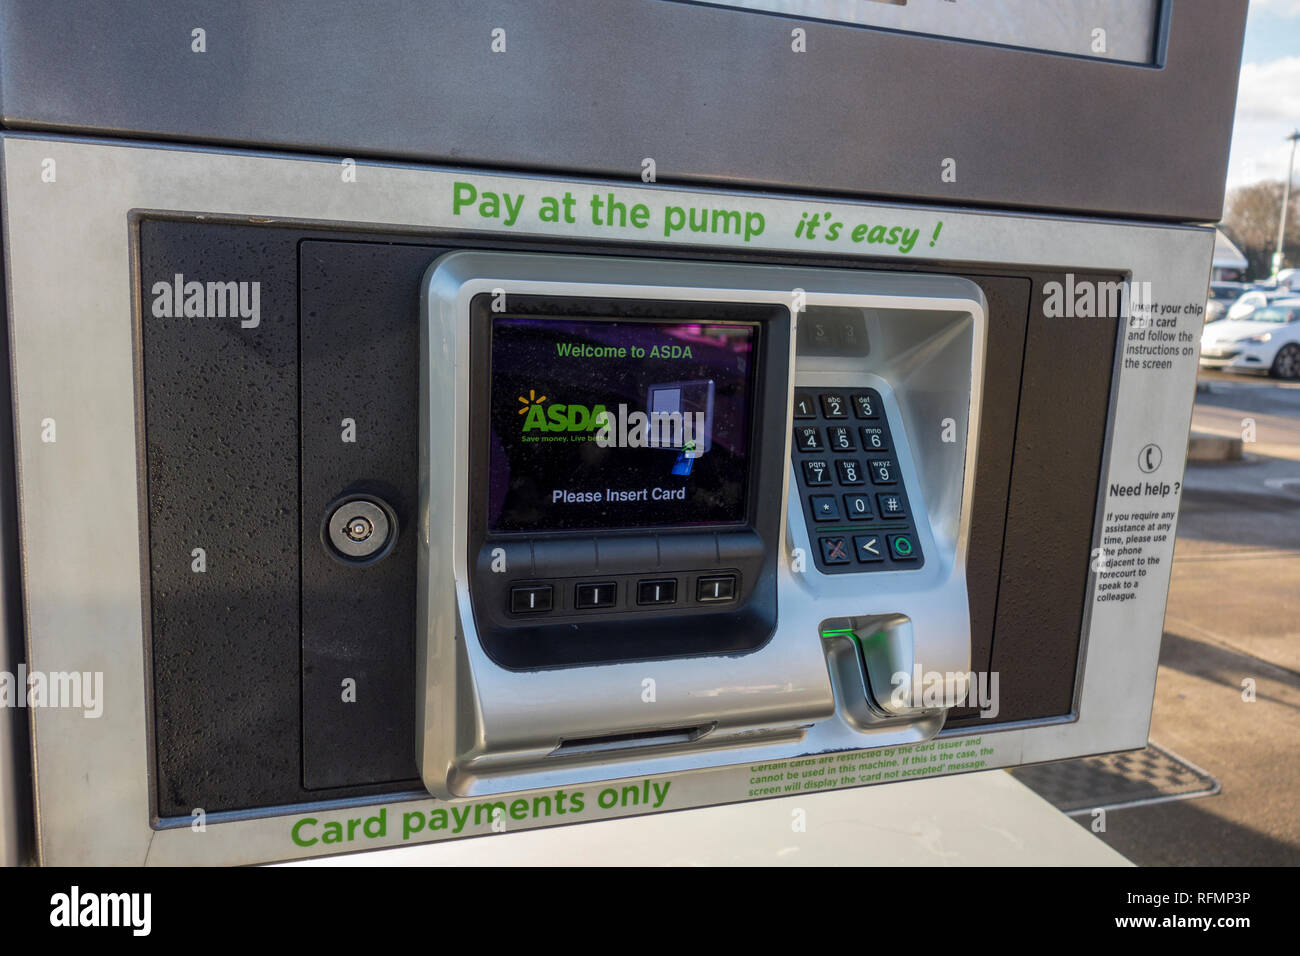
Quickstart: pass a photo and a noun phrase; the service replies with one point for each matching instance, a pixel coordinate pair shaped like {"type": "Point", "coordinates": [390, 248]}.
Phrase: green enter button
{"type": "Point", "coordinates": [902, 547]}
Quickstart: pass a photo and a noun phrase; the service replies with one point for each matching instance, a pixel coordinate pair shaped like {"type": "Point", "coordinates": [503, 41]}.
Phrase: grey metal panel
{"type": "Point", "coordinates": [594, 86]}
{"type": "Point", "coordinates": [72, 348]}
{"type": "Point", "coordinates": [17, 829]}
{"type": "Point", "coordinates": [1057, 26]}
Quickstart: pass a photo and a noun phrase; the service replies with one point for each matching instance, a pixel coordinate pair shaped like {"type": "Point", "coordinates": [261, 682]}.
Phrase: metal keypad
{"type": "Point", "coordinates": [852, 492]}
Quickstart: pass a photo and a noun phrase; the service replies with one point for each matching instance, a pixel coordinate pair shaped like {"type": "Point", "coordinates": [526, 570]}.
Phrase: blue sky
{"type": "Point", "coordinates": [1268, 96]}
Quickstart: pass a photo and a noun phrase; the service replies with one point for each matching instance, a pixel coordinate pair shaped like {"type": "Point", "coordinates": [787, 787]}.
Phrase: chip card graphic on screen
{"type": "Point", "coordinates": [692, 402]}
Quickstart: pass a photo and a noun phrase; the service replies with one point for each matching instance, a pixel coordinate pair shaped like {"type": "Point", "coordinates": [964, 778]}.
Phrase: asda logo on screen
{"type": "Point", "coordinates": [623, 429]}
{"type": "Point", "coordinates": [565, 418]}
{"type": "Point", "coordinates": [556, 417]}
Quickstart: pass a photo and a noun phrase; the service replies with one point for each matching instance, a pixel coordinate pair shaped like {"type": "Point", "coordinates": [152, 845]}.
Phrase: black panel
{"type": "Point", "coordinates": [1060, 438]}
{"type": "Point", "coordinates": [221, 448]}
{"type": "Point", "coordinates": [222, 445]}
{"type": "Point", "coordinates": [1008, 315]}
{"type": "Point", "coordinates": [237, 669]}
{"type": "Point", "coordinates": [360, 361]}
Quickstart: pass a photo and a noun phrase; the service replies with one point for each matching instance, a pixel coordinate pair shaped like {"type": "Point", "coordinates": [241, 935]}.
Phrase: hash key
{"type": "Point", "coordinates": [891, 506]}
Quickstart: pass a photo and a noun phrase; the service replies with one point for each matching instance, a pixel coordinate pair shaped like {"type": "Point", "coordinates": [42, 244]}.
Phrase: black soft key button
{"type": "Point", "coordinates": [661, 591]}
{"type": "Point", "coordinates": [804, 407]}
{"type": "Point", "coordinates": [589, 596]}
{"type": "Point", "coordinates": [712, 590]}
{"type": "Point", "coordinates": [530, 598]}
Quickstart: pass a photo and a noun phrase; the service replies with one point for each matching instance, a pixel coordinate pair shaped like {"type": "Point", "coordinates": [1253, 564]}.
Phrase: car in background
{"type": "Point", "coordinates": [1255, 298]}
{"type": "Point", "coordinates": [1221, 296]}
{"type": "Point", "coordinates": [1288, 280]}
{"type": "Point", "coordinates": [1267, 340]}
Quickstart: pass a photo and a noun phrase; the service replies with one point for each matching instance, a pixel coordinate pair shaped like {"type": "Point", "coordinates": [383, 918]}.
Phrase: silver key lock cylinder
{"type": "Point", "coordinates": [359, 529]}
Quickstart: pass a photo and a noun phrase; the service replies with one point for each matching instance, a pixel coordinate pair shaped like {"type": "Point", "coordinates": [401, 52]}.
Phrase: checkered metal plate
{"type": "Point", "coordinates": [1134, 778]}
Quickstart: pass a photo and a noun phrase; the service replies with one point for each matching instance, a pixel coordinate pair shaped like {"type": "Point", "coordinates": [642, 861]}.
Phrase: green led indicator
{"type": "Point", "coordinates": [852, 634]}
{"type": "Point", "coordinates": [839, 632]}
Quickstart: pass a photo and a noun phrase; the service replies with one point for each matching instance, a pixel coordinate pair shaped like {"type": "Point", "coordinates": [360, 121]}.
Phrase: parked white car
{"type": "Point", "coordinates": [1268, 340]}
{"type": "Point", "coordinates": [1254, 299]}
{"type": "Point", "coordinates": [1221, 297]}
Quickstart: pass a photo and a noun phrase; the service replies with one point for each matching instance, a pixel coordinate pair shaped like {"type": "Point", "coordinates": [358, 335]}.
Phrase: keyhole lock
{"type": "Point", "coordinates": [360, 529]}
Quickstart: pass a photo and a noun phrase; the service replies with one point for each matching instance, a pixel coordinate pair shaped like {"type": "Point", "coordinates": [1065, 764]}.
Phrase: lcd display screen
{"type": "Point", "coordinates": [605, 424]}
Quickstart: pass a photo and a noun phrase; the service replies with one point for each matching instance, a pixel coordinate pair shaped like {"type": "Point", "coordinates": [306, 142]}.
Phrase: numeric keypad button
{"type": "Point", "coordinates": [841, 438]}
{"type": "Point", "coordinates": [816, 472]}
{"type": "Point", "coordinates": [833, 406]}
{"type": "Point", "coordinates": [874, 439]}
{"type": "Point", "coordinates": [808, 438]}
{"type": "Point", "coordinates": [866, 405]}
{"type": "Point", "coordinates": [850, 472]}
{"type": "Point", "coordinates": [883, 471]}
{"type": "Point", "coordinates": [857, 507]}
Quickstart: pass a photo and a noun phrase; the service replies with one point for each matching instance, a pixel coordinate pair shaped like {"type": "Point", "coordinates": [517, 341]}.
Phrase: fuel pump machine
{"type": "Point", "coordinates": [439, 419]}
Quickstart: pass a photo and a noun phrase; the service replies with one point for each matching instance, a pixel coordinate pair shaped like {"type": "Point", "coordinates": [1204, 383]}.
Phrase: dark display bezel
{"type": "Point", "coordinates": [567, 636]}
